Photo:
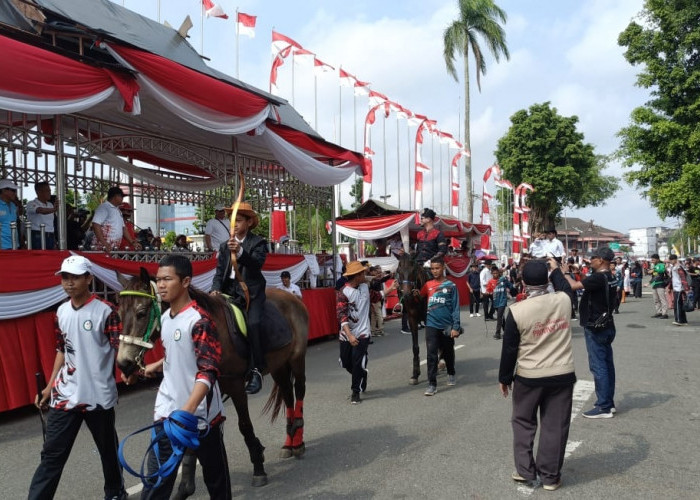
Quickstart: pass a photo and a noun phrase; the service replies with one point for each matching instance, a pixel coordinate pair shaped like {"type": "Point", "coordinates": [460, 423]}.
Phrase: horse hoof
{"type": "Point", "coordinates": [260, 480]}
{"type": "Point", "coordinates": [285, 453]}
{"type": "Point", "coordinates": [413, 381]}
{"type": "Point", "coordinates": [299, 451]}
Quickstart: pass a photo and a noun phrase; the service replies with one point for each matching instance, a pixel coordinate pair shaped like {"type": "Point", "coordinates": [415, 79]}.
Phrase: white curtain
{"type": "Point", "coordinates": [375, 234]}
{"type": "Point", "coordinates": [35, 106]}
{"type": "Point", "coordinates": [301, 165]}
{"type": "Point", "coordinates": [20, 304]}
{"type": "Point", "coordinates": [296, 272]}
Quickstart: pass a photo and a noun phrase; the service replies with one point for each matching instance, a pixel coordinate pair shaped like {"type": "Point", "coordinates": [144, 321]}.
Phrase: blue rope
{"type": "Point", "coordinates": [181, 428]}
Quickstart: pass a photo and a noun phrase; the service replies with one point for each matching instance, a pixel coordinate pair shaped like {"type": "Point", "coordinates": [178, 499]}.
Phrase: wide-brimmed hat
{"type": "Point", "coordinates": [246, 209]}
{"type": "Point", "coordinates": [353, 268]}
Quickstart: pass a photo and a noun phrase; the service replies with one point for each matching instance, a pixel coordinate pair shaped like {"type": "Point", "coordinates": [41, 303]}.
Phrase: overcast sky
{"type": "Point", "coordinates": [562, 52]}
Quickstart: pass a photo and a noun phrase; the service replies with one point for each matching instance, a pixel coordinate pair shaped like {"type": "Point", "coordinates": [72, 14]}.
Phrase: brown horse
{"type": "Point", "coordinates": [286, 365]}
{"type": "Point", "coordinates": [411, 277]}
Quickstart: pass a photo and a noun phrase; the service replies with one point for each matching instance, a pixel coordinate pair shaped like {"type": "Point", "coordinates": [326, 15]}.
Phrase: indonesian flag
{"type": "Point", "coordinates": [320, 67]}
{"type": "Point", "coordinates": [276, 63]}
{"type": "Point", "coordinates": [376, 98]}
{"type": "Point", "coordinates": [246, 25]}
{"type": "Point", "coordinates": [493, 169]}
{"type": "Point", "coordinates": [212, 9]}
{"type": "Point", "coordinates": [304, 57]}
{"type": "Point", "coordinates": [422, 167]}
{"type": "Point", "coordinates": [280, 42]}
{"type": "Point", "coordinates": [346, 79]}
{"type": "Point", "coordinates": [444, 137]}
{"type": "Point", "coordinates": [403, 113]}
{"type": "Point", "coordinates": [503, 183]}
{"type": "Point", "coordinates": [361, 88]}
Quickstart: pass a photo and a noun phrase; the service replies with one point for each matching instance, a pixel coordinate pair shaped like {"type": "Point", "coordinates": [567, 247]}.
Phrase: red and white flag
{"type": "Point", "coordinates": [246, 25]}
{"type": "Point", "coordinates": [361, 88]}
{"type": "Point", "coordinates": [416, 119]}
{"type": "Point", "coordinates": [376, 98]}
{"type": "Point", "coordinates": [303, 57]}
{"type": "Point", "coordinates": [403, 113]}
{"type": "Point", "coordinates": [320, 67]}
{"type": "Point", "coordinates": [276, 63]}
{"type": "Point", "coordinates": [503, 183]}
{"type": "Point", "coordinates": [280, 42]}
{"type": "Point", "coordinates": [212, 9]}
{"type": "Point", "coordinates": [346, 79]}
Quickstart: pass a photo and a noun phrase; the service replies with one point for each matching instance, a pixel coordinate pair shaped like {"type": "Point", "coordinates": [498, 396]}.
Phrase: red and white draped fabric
{"type": "Point", "coordinates": [368, 153]}
{"type": "Point", "coordinates": [420, 167]}
{"type": "Point", "coordinates": [494, 170]}
{"type": "Point", "coordinates": [245, 24]}
{"type": "Point", "coordinates": [38, 81]}
{"type": "Point", "coordinates": [372, 228]}
{"type": "Point", "coordinates": [278, 225]}
{"type": "Point", "coordinates": [517, 213]}
{"type": "Point", "coordinates": [212, 9]}
{"type": "Point", "coordinates": [204, 102]}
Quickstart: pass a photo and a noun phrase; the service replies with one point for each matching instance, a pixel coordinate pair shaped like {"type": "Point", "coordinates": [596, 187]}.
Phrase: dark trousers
{"type": "Point", "coordinates": [696, 293]}
{"type": "Point", "coordinates": [637, 288]}
{"type": "Point", "coordinates": [436, 341]}
{"type": "Point", "coordinates": [354, 360]}
{"type": "Point", "coordinates": [678, 311]}
{"type": "Point", "coordinates": [36, 240]}
{"type": "Point", "coordinates": [554, 405]}
{"type": "Point", "coordinates": [474, 302]}
{"type": "Point", "coordinates": [487, 300]}
{"type": "Point", "coordinates": [61, 430]}
{"type": "Point", "coordinates": [500, 320]}
{"type": "Point", "coordinates": [211, 454]}
{"type": "Point", "coordinates": [255, 312]}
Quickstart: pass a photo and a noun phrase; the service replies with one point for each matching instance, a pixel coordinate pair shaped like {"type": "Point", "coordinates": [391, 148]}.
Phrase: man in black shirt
{"type": "Point", "coordinates": [595, 309]}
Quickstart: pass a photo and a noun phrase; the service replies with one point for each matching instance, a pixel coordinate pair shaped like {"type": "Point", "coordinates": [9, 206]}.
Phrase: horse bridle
{"type": "Point", "coordinates": [153, 322]}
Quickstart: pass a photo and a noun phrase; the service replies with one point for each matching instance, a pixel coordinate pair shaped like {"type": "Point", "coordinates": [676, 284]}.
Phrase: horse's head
{"type": "Point", "coordinates": [409, 274]}
{"type": "Point", "coordinates": [139, 309]}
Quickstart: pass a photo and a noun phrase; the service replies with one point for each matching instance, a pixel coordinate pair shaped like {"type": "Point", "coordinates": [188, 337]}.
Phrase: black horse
{"type": "Point", "coordinates": [411, 277]}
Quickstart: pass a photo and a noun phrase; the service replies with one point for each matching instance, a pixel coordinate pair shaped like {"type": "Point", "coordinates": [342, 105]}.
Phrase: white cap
{"type": "Point", "coordinates": [8, 184]}
{"type": "Point", "coordinates": [77, 265]}
{"type": "Point", "coordinates": [219, 208]}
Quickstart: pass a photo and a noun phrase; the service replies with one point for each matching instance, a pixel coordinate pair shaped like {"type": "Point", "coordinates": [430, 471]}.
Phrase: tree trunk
{"type": "Point", "coordinates": [469, 214]}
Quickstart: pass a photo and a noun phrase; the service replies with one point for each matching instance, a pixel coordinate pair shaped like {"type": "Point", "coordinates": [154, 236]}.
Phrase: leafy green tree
{"type": "Point", "coordinates": [544, 149]}
{"type": "Point", "coordinates": [477, 19]}
{"type": "Point", "coordinates": [356, 193]}
{"type": "Point", "coordinates": [169, 240]}
{"type": "Point", "coordinates": [663, 140]}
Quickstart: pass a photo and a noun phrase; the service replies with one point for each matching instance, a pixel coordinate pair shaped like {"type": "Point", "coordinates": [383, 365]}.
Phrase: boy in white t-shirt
{"type": "Point", "coordinates": [287, 284]}
{"type": "Point", "coordinates": [190, 371]}
{"type": "Point", "coordinates": [81, 387]}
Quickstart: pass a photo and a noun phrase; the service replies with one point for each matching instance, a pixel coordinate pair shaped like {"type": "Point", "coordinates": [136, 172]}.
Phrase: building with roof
{"type": "Point", "coordinates": [586, 236]}
{"type": "Point", "coordinates": [649, 240]}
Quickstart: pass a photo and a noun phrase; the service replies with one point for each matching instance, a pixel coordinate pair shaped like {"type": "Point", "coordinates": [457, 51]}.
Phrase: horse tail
{"type": "Point", "coordinates": [274, 403]}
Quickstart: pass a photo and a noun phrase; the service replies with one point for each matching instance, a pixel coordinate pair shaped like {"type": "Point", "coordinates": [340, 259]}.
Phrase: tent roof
{"type": "Point", "coordinates": [373, 208]}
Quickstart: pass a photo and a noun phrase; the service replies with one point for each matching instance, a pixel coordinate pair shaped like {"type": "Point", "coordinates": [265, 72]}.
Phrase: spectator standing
{"type": "Point", "coordinates": [352, 308]}
{"type": "Point", "coordinates": [694, 272]}
{"type": "Point", "coordinates": [129, 230]}
{"type": "Point", "coordinates": [41, 211]}
{"type": "Point", "coordinates": [218, 229]}
{"type": "Point", "coordinates": [10, 209]}
{"type": "Point", "coordinates": [396, 245]}
{"type": "Point", "coordinates": [498, 288]}
{"type": "Point", "coordinates": [82, 386]}
{"type": "Point", "coordinates": [680, 286]}
{"type": "Point", "coordinates": [595, 310]}
{"type": "Point", "coordinates": [376, 299]}
{"type": "Point", "coordinates": [431, 241]}
{"type": "Point", "coordinates": [474, 284]}
{"type": "Point", "coordinates": [658, 284]}
{"type": "Point", "coordinates": [538, 248]}
{"type": "Point", "coordinates": [442, 323]}
{"type": "Point", "coordinates": [487, 299]}
{"type": "Point", "coordinates": [537, 365]}
{"type": "Point", "coordinates": [636, 274]}
{"type": "Point", "coordinates": [552, 245]}
{"type": "Point", "coordinates": [287, 284]}
{"type": "Point", "coordinates": [108, 222]}
{"type": "Point", "coordinates": [617, 274]}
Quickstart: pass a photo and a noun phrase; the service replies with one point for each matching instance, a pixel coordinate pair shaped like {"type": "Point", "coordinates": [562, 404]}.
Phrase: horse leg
{"type": "Point", "coordinates": [245, 426]}
{"type": "Point", "coordinates": [186, 487]}
{"type": "Point", "coordinates": [299, 372]}
{"type": "Point", "coordinates": [283, 379]}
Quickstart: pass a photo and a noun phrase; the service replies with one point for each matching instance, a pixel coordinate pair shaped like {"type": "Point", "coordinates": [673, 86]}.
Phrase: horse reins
{"type": "Point", "coordinates": [153, 322]}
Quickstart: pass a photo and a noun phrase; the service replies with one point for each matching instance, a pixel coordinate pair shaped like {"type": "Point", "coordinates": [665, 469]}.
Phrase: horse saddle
{"type": "Point", "coordinates": [275, 331]}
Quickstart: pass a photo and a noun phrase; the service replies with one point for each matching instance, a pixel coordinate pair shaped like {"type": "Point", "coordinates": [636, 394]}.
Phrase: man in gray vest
{"type": "Point", "coordinates": [537, 364]}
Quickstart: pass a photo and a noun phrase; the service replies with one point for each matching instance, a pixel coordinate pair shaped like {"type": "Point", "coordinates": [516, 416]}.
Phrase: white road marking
{"type": "Point", "coordinates": [425, 361]}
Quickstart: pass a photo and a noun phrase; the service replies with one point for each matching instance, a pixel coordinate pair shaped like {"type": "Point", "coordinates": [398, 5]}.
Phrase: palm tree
{"type": "Point", "coordinates": [477, 18]}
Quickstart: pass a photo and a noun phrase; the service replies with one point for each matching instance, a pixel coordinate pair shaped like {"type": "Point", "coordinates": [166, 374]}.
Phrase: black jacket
{"type": "Point", "coordinates": [250, 265]}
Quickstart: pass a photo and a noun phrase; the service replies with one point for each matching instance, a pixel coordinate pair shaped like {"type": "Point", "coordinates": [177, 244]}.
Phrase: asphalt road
{"type": "Point", "coordinates": [457, 444]}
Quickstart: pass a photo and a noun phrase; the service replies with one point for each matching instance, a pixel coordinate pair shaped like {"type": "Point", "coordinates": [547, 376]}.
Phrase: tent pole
{"type": "Point", "coordinates": [60, 183]}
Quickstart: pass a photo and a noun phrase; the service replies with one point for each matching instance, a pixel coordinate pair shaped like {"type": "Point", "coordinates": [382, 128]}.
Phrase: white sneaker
{"type": "Point", "coordinates": [471, 315]}
{"type": "Point", "coordinates": [451, 380]}
{"type": "Point", "coordinates": [478, 315]}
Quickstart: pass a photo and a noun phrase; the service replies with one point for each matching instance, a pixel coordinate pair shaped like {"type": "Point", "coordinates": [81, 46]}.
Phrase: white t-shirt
{"type": "Point", "coordinates": [37, 219]}
{"type": "Point", "coordinates": [219, 230]}
{"type": "Point", "coordinates": [86, 378]}
{"type": "Point", "coordinates": [110, 218]}
{"type": "Point", "coordinates": [293, 289]}
{"type": "Point", "coordinates": [538, 249]}
{"type": "Point", "coordinates": [358, 314]}
{"type": "Point", "coordinates": [555, 247]}
{"type": "Point", "coordinates": [181, 369]}
{"type": "Point", "coordinates": [484, 277]}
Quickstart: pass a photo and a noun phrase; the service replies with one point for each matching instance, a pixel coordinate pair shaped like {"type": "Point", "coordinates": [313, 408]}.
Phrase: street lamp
{"type": "Point", "coordinates": [385, 197]}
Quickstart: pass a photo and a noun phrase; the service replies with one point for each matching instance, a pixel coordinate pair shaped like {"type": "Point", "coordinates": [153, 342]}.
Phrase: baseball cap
{"type": "Point", "coordinates": [219, 208]}
{"type": "Point", "coordinates": [8, 184]}
{"type": "Point", "coordinates": [604, 253]}
{"type": "Point", "coordinates": [76, 264]}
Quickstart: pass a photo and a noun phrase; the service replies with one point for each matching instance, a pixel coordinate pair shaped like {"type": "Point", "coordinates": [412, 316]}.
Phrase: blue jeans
{"type": "Point", "coordinates": [600, 362]}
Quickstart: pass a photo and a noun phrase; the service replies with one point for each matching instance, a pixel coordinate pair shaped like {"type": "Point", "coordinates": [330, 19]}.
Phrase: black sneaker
{"type": "Point", "coordinates": [355, 398]}
{"type": "Point", "coordinates": [657, 315]}
{"type": "Point", "coordinates": [497, 337]}
{"type": "Point", "coordinates": [255, 383]}
{"type": "Point", "coordinates": [663, 316]}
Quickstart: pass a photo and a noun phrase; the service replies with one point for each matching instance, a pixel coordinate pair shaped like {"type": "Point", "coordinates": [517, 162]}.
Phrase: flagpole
{"type": "Point", "coordinates": [201, 30]}
{"type": "Point", "coordinates": [159, 11]}
{"type": "Point", "coordinates": [411, 182]}
{"type": "Point", "coordinates": [432, 171]}
{"type": "Point", "coordinates": [384, 151]}
{"type": "Point", "coordinates": [340, 110]}
{"type": "Point", "coordinates": [293, 77]}
{"type": "Point", "coordinates": [442, 184]}
{"type": "Point", "coordinates": [238, 56]}
{"type": "Point", "coordinates": [315, 102]}
{"type": "Point", "coordinates": [398, 165]}
{"type": "Point", "coordinates": [354, 119]}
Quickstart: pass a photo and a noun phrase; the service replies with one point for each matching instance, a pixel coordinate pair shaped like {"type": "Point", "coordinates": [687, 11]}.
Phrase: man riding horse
{"type": "Point", "coordinates": [250, 252]}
